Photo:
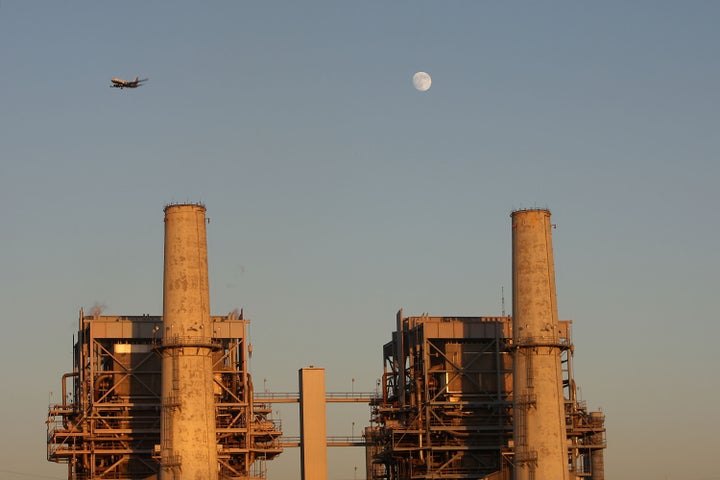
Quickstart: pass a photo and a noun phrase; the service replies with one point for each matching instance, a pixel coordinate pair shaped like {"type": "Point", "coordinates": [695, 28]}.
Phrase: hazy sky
{"type": "Point", "coordinates": [338, 193]}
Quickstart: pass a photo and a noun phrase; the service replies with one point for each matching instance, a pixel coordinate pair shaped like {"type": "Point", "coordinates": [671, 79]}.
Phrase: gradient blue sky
{"type": "Point", "coordinates": [339, 194]}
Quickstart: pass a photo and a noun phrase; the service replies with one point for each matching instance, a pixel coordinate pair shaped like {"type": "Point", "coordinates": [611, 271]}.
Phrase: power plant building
{"type": "Point", "coordinates": [485, 397]}
{"type": "Point", "coordinates": [164, 397]}
{"type": "Point", "coordinates": [446, 408]}
{"type": "Point", "coordinates": [488, 397]}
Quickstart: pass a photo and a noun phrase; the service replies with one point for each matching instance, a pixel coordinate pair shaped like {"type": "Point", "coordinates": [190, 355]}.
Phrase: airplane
{"type": "Point", "coordinates": [120, 83]}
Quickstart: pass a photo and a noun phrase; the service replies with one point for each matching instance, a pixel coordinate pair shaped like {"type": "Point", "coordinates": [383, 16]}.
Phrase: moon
{"type": "Point", "coordinates": [422, 81]}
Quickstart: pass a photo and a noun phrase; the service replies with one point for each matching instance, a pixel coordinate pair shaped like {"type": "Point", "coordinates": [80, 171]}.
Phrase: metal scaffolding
{"type": "Point", "coordinates": [446, 409]}
{"type": "Point", "coordinates": [108, 424]}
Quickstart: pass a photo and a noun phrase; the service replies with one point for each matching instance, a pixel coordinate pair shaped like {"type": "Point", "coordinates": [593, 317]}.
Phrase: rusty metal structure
{"type": "Point", "coordinates": [487, 397]}
{"type": "Point", "coordinates": [465, 398]}
{"type": "Point", "coordinates": [446, 406]}
{"type": "Point", "coordinates": [109, 422]}
{"type": "Point", "coordinates": [445, 410]}
{"type": "Point", "coordinates": [164, 397]}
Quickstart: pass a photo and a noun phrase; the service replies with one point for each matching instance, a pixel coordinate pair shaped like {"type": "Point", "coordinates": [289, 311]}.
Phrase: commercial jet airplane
{"type": "Point", "coordinates": [120, 83]}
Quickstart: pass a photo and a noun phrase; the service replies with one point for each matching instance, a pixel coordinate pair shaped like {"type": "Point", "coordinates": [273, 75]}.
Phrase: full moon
{"type": "Point", "coordinates": [422, 81]}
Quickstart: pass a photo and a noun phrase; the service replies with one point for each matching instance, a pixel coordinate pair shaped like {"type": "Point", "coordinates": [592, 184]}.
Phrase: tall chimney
{"type": "Point", "coordinates": [188, 444]}
{"type": "Point", "coordinates": [538, 404]}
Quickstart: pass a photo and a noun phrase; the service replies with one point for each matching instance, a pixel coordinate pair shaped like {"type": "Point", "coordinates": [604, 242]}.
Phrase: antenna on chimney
{"type": "Point", "coordinates": [502, 298]}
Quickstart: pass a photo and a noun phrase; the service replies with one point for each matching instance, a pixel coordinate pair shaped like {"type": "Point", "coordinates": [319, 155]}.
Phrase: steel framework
{"type": "Point", "coordinates": [446, 410]}
{"type": "Point", "coordinates": [108, 424]}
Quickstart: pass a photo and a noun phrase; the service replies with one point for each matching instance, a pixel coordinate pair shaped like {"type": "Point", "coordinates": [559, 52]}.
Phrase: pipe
{"type": "Point", "coordinates": [98, 383]}
{"type": "Point", "coordinates": [385, 388]}
{"type": "Point", "coordinates": [64, 387]}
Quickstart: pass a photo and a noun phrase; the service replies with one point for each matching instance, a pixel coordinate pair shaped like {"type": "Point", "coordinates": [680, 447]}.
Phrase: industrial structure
{"type": "Point", "coordinates": [538, 414]}
{"type": "Point", "coordinates": [164, 397]}
{"type": "Point", "coordinates": [488, 397]}
{"type": "Point", "coordinates": [171, 397]}
{"type": "Point", "coordinates": [448, 413]}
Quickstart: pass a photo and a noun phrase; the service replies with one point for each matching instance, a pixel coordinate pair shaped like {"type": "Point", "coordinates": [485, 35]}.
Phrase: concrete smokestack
{"type": "Point", "coordinates": [188, 444]}
{"type": "Point", "coordinates": [538, 405]}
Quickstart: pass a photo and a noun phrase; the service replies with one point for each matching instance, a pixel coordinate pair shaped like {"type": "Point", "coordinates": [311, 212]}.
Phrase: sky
{"type": "Point", "coordinates": [338, 194]}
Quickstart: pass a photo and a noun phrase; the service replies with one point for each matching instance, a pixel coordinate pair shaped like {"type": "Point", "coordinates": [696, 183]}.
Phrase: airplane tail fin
{"type": "Point", "coordinates": [136, 79]}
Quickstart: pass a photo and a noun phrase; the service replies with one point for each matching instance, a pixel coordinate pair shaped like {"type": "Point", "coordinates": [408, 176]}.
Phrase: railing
{"type": "Point", "coordinates": [524, 455]}
{"type": "Point", "coordinates": [290, 397]}
{"type": "Point", "coordinates": [189, 341]}
{"type": "Point", "coordinates": [358, 397]}
{"type": "Point", "coordinates": [332, 441]}
{"type": "Point", "coordinates": [269, 396]}
{"type": "Point", "coordinates": [526, 399]}
{"type": "Point", "coordinates": [168, 461]}
{"type": "Point", "coordinates": [540, 341]}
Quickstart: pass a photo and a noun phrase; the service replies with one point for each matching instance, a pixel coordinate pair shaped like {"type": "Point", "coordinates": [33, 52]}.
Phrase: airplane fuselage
{"type": "Point", "coordinates": [120, 83]}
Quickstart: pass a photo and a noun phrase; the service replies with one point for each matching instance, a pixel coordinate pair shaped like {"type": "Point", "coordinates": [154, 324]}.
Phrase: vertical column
{"type": "Point", "coordinates": [188, 444]}
{"type": "Point", "coordinates": [538, 404]}
{"type": "Point", "coordinates": [313, 434]}
{"type": "Point", "coordinates": [597, 439]}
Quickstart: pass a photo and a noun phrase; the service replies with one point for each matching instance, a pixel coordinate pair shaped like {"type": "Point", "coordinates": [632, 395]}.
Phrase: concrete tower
{"type": "Point", "coordinates": [188, 444]}
{"type": "Point", "coordinates": [313, 424]}
{"type": "Point", "coordinates": [538, 405]}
